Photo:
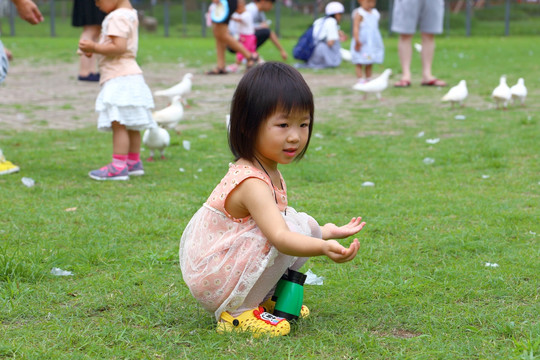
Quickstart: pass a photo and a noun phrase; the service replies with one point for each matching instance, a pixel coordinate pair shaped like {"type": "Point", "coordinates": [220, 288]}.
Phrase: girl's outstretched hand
{"type": "Point", "coordinates": [332, 231]}
{"type": "Point", "coordinates": [340, 254]}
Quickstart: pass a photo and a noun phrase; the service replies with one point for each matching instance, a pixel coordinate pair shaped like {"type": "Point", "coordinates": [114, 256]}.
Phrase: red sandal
{"type": "Point", "coordinates": [402, 84]}
{"type": "Point", "coordinates": [434, 82]}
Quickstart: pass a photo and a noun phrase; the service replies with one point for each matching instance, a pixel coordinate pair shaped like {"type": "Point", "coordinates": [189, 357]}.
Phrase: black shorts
{"type": "Point", "coordinates": [85, 12]}
{"type": "Point", "coordinates": [230, 7]}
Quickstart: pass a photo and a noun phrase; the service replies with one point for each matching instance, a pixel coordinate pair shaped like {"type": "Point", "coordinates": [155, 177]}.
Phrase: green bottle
{"type": "Point", "coordinates": [289, 295]}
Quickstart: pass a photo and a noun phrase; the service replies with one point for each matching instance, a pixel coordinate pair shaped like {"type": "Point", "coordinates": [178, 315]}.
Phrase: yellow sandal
{"type": "Point", "coordinates": [256, 321]}
{"type": "Point", "coordinates": [269, 305]}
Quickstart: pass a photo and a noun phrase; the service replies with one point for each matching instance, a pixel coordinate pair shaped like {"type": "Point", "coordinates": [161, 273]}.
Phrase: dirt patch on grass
{"type": "Point", "coordinates": [37, 97]}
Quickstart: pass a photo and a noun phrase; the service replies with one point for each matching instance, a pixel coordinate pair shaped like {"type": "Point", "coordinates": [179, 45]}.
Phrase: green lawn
{"type": "Point", "coordinates": [419, 288]}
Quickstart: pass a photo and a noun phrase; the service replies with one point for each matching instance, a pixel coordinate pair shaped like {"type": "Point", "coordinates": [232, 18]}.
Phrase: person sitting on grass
{"type": "Point", "coordinates": [237, 246]}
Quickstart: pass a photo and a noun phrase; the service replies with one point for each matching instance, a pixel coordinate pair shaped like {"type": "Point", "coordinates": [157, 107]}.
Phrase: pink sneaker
{"type": "Point", "coordinates": [109, 172]}
{"type": "Point", "coordinates": [233, 68]}
{"type": "Point", "coordinates": [136, 169]}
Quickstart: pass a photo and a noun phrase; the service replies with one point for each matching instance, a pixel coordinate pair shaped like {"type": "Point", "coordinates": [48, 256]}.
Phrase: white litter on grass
{"type": "Point", "coordinates": [492, 265]}
{"type": "Point", "coordinates": [433, 141]}
{"type": "Point", "coordinates": [199, 170]}
{"type": "Point", "coordinates": [28, 182]}
{"type": "Point", "coordinates": [429, 161]}
{"type": "Point", "coordinates": [313, 279]}
{"type": "Point", "coordinates": [460, 117]}
{"type": "Point", "coordinates": [368, 183]}
{"type": "Point", "coordinates": [203, 136]}
{"type": "Point", "coordinates": [319, 135]}
{"type": "Point", "coordinates": [186, 144]}
{"type": "Point", "coordinates": [390, 114]}
{"type": "Point", "coordinates": [182, 170]}
{"type": "Point", "coordinates": [318, 148]}
{"type": "Point", "coordinates": [485, 176]}
{"type": "Point", "coordinates": [59, 272]}
{"type": "Point", "coordinates": [420, 134]}
{"type": "Point", "coordinates": [532, 233]}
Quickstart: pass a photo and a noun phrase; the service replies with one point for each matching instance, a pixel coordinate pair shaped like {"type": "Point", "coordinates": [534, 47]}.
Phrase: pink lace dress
{"type": "Point", "coordinates": [222, 257]}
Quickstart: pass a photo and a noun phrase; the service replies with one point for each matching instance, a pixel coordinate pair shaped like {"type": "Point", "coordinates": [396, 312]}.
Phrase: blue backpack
{"type": "Point", "coordinates": [306, 44]}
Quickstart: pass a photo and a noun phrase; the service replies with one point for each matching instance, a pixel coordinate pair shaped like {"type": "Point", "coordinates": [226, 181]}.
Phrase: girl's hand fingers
{"type": "Point", "coordinates": [350, 253]}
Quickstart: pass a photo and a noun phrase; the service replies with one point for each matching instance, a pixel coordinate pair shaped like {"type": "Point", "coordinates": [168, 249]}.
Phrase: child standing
{"type": "Point", "coordinates": [125, 100]}
{"type": "Point", "coordinates": [245, 237]}
{"type": "Point", "coordinates": [246, 31]}
{"type": "Point", "coordinates": [367, 46]}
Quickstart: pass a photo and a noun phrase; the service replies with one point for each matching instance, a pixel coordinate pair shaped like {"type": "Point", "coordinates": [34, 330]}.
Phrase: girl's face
{"type": "Point", "coordinates": [282, 137]}
{"type": "Point", "coordinates": [367, 4]}
{"type": "Point", "coordinates": [106, 5]}
{"type": "Point", "coordinates": [241, 6]}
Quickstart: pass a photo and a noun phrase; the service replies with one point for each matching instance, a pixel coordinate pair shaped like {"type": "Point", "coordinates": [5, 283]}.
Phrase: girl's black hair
{"type": "Point", "coordinates": [263, 90]}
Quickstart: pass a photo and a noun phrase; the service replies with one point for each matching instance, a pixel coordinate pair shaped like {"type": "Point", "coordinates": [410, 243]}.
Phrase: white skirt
{"type": "Point", "coordinates": [126, 100]}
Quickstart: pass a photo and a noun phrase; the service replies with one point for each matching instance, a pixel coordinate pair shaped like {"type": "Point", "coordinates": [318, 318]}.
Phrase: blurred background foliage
{"type": "Point", "coordinates": [186, 18]}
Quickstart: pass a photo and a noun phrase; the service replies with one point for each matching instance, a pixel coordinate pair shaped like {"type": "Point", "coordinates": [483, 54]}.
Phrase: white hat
{"type": "Point", "coordinates": [333, 8]}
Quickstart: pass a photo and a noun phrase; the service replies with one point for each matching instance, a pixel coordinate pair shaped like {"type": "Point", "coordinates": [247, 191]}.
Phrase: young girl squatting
{"type": "Point", "coordinates": [124, 103]}
{"type": "Point", "coordinates": [244, 238]}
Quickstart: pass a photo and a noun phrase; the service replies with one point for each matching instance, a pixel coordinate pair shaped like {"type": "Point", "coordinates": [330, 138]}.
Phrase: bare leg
{"type": "Point", "coordinates": [359, 71]}
{"type": "Point", "coordinates": [428, 49]}
{"type": "Point", "coordinates": [87, 65]}
{"type": "Point", "coordinates": [224, 39]}
{"type": "Point", "coordinates": [134, 141]}
{"type": "Point", "coordinates": [405, 55]}
{"type": "Point", "coordinates": [120, 139]}
{"type": "Point", "coordinates": [369, 71]}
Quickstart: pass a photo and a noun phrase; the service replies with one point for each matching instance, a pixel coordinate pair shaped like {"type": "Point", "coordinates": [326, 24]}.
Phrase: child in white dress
{"type": "Point", "coordinates": [367, 46]}
{"type": "Point", "coordinates": [125, 101]}
{"type": "Point", "coordinates": [245, 237]}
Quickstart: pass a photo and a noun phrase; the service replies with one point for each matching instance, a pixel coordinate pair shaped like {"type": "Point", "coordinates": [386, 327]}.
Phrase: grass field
{"type": "Point", "coordinates": [419, 288]}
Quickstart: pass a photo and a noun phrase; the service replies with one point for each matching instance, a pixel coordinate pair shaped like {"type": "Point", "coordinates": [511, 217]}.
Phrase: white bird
{"type": "Point", "coordinates": [519, 91]}
{"type": "Point", "coordinates": [170, 116]}
{"type": "Point", "coordinates": [501, 94]}
{"type": "Point", "coordinates": [181, 89]}
{"type": "Point", "coordinates": [376, 86]}
{"type": "Point", "coordinates": [345, 54]}
{"type": "Point", "coordinates": [457, 94]}
{"type": "Point", "coordinates": [418, 47]}
{"type": "Point", "coordinates": [156, 138]}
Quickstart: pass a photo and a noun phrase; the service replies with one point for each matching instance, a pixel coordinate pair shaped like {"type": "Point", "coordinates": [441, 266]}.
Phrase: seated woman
{"type": "Point", "coordinates": [328, 36]}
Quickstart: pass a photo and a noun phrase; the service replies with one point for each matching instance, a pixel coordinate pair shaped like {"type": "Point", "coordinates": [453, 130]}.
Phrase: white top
{"type": "Point", "coordinates": [245, 25]}
{"type": "Point", "coordinates": [329, 30]}
{"type": "Point", "coordinates": [122, 23]}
